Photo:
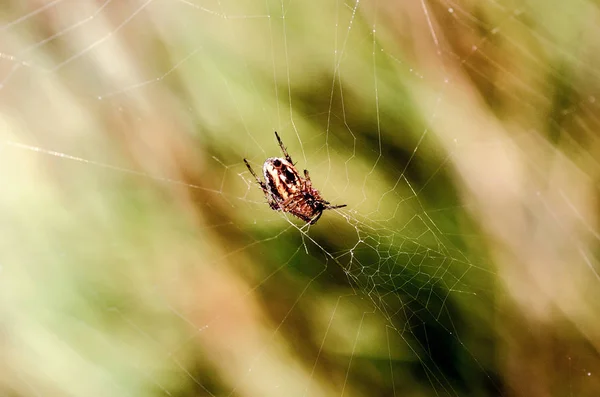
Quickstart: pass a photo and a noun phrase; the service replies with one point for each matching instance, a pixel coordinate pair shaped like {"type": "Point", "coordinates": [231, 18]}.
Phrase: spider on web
{"type": "Point", "coordinates": [287, 191]}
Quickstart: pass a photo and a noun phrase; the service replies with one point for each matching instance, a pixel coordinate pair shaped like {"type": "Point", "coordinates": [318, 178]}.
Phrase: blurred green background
{"type": "Point", "coordinates": [138, 256]}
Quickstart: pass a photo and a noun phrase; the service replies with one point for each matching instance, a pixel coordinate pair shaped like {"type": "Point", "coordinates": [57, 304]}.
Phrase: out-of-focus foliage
{"type": "Point", "coordinates": [138, 256]}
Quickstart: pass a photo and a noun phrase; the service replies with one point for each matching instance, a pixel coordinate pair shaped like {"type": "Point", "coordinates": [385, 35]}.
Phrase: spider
{"type": "Point", "coordinates": [287, 191]}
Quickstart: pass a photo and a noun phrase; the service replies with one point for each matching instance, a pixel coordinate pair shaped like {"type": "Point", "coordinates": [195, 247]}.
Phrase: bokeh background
{"type": "Point", "coordinates": [138, 257]}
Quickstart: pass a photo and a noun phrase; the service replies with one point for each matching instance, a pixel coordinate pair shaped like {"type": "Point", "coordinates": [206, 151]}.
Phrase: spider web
{"type": "Point", "coordinates": [141, 258]}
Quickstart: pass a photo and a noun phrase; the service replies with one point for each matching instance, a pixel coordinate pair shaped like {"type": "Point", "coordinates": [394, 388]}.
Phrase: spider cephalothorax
{"type": "Point", "coordinates": [287, 191]}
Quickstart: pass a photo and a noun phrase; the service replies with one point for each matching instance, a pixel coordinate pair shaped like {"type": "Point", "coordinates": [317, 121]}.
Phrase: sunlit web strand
{"type": "Point", "coordinates": [103, 165]}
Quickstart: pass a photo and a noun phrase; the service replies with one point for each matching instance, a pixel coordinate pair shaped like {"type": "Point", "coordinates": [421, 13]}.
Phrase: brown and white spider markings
{"type": "Point", "coordinates": [287, 191]}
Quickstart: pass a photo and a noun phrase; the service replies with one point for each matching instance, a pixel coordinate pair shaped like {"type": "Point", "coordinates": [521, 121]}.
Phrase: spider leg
{"type": "Point", "coordinates": [251, 170]}
{"type": "Point", "coordinates": [290, 203]}
{"type": "Point", "coordinates": [307, 180]}
{"type": "Point", "coordinates": [316, 218]}
{"type": "Point", "coordinates": [283, 149]}
{"type": "Point", "coordinates": [263, 186]}
{"type": "Point", "coordinates": [274, 205]}
{"type": "Point", "coordinates": [286, 205]}
{"type": "Point", "coordinates": [325, 207]}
